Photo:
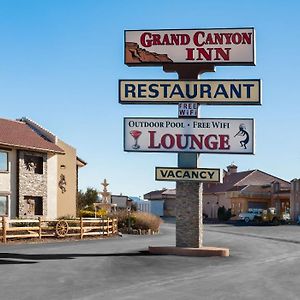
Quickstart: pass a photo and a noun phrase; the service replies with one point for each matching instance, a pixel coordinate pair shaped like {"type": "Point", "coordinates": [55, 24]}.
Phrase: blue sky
{"type": "Point", "coordinates": [60, 62]}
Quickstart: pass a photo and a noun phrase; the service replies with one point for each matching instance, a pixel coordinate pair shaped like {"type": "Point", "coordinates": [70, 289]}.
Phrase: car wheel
{"type": "Point", "coordinates": [247, 220]}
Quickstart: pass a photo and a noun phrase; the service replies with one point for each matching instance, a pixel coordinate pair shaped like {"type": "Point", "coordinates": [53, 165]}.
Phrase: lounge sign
{"type": "Point", "coordinates": [223, 92]}
{"type": "Point", "coordinates": [188, 174]}
{"type": "Point", "coordinates": [230, 136]}
{"type": "Point", "coordinates": [234, 46]}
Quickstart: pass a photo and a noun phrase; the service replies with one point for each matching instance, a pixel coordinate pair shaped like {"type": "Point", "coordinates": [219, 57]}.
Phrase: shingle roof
{"type": "Point", "coordinates": [238, 181]}
{"type": "Point", "coordinates": [19, 135]}
{"type": "Point", "coordinates": [154, 195]}
{"type": "Point", "coordinates": [231, 182]}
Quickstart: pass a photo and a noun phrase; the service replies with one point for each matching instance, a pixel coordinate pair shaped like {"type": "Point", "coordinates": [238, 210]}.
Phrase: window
{"type": "Point", "coordinates": [34, 205]}
{"type": "Point", "coordinates": [34, 164]}
{"type": "Point", "coordinates": [3, 205]}
{"type": "Point", "coordinates": [3, 161]}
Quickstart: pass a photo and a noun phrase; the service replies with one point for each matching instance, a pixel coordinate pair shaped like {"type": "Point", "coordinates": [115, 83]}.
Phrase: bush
{"type": "Point", "coordinates": [91, 214]}
{"type": "Point", "coordinates": [223, 214]}
{"type": "Point", "coordinates": [137, 220]}
{"type": "Point", "coordinates": [146, 221]}
{"type": "Point", "coordinates": [67, 217]}
{"type": "Point", "coordinates": [123, 218]}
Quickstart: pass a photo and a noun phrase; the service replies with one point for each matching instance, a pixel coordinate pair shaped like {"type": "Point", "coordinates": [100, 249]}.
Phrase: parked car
{"type": "Point", "coordinates": [273, 216]}
{"type": "Point", "coordinates": [286, 218]}
{"type": "Point", "coordinates": [250, 214]}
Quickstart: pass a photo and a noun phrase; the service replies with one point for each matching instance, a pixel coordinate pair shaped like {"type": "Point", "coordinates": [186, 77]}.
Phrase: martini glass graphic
{"type": "Point", "coordinates": [135, 134]}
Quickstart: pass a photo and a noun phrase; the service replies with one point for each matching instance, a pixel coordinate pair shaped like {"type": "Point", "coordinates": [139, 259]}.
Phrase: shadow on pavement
{"type": "Point", "coordinates": [16, 262]}
{"type": "Point", "coordinates": [23, 258]}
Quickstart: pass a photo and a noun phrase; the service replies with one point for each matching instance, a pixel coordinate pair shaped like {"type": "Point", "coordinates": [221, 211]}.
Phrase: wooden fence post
{"type": "Point", "coordinates": [4, 227]}
{"type": "Point", "coordinates": [108, 226]}
{"type": "Point", "coordinates": [81, 228]}
{"type": "Point", "coordinates": [40, 228]}
{"type": "Point", "coordinates": [116, 225]}
{"type": "Point", "coordinates": [101, 226]}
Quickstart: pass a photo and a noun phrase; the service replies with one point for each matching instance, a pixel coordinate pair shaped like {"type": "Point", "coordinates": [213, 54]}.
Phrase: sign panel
{"type": "Point", "coordinates": [235, 46]}
{"type": "Point", "coordinates": [188, 174]}
{"type": "Point", "coordinates": [234, 136]}
{"type": "Point", "coordinates": [225, 91]}
{"type": "Point", "coordinates": [188, 109]}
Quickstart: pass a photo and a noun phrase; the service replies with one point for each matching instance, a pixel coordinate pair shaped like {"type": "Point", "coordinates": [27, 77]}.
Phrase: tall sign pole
{"type": "Point", "coordinates": [189, 221]}
{"type": "Point", "coordinates": [189, 53]}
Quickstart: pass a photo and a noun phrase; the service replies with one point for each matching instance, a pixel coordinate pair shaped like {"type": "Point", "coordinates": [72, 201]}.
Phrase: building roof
{"type": "Point", "coordinates": [169, 192]}
{"type": "Point", "coordinates": [236, 181]}
{"type": "Point", "coordinates": [239, 180]}
{"type": "Point", "coordinates": [18, 134]}
{"type": "Point", "coordinates": [80, 162]}
{"type": "Point", "coordinates": [154, 195]}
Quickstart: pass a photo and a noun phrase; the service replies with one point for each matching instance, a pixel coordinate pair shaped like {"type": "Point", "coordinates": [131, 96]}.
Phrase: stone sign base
{"type": "Point", "coordinates": [183, 251]}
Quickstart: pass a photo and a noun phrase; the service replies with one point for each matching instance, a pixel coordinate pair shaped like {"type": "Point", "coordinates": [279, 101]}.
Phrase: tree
{"type": "Point", "coordinates": [223, 214]}
{"type": "Point", "coordinates": [87, 198]}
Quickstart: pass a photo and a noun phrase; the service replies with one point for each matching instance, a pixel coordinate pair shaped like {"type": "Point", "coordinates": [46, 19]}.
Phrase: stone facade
{"type": "Point", "coordinates": [189, 227]}
{"type": "Point", "coordinates": [32, 184]}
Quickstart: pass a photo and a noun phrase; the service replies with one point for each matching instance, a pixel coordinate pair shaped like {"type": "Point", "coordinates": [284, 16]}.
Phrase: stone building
{"type": "Point", "coordinates": [38, 172]}
{"type": "Point", "coordinates": [239, 191]}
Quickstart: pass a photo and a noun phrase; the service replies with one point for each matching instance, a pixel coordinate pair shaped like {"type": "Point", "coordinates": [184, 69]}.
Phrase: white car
{"type": "Point", "coordinates": [250, 214]}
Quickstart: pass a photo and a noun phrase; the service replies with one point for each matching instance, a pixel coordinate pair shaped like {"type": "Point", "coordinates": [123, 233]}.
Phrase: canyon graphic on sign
{"type": "Point", "coordinates": [230, 136]}
{"type": "Point", "coordinates": [234, 46]}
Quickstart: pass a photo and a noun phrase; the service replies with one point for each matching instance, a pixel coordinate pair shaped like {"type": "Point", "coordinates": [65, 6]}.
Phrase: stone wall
{"type": "Point", "coordinates": [31, 184]}
{"type": "Point", "coordinates": [189, 227]}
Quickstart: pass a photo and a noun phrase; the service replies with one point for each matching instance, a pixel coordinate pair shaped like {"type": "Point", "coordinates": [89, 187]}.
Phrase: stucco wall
{"type": "Point", "coordinates": [66, 166]}
{"type": "Point", "coordinates": [8, 186]}
{"type": "Point", "coordinates": [211, 203]}
{"type": "Point", "coordinates": [52, 186]}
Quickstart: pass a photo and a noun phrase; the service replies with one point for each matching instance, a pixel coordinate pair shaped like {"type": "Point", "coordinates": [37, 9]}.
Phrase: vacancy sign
{"type": "Point", "coordinates": [221, 92]}
{"type": "Point", "coordinates": [230, 136]}
{"type": "Point", "coordinates": [188, 174]}
{"type": "Point", "coordinates": [235, 46]}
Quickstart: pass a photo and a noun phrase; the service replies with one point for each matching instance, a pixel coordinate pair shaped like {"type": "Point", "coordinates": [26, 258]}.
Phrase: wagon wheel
{"type": "Point", "coordinates": [61, 228]}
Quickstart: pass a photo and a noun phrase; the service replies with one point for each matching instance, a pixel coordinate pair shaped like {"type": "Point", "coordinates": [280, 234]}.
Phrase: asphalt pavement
{"type": "Point", "coordinates": [264, 263]}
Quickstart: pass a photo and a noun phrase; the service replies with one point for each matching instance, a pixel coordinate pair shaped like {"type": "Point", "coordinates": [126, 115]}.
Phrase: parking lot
{"type": "Point", "coordinates": [264, 262]}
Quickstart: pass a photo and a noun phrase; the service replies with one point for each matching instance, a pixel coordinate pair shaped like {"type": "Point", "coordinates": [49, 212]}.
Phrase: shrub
{"type": "Point", "coordinates": [146, 221]}
{"type": "Point", "coordinates": [91, 214]}
{"type": "Point", "coordinates": [223, 214]}
{"type": "Point", "coordinates": [123, 218]}
{"type": "Point", "coordinates": [67, 217]}
{"type": "Point", "coordinates": [138, 220]}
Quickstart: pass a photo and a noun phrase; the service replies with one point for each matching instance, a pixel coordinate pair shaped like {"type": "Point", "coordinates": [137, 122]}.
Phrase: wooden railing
{"type": "Point", "coordinates": [15, 229]}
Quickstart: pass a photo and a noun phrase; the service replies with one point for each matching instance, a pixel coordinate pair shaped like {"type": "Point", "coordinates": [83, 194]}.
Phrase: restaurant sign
{"type": "Point", "coordinates": [230, 136]}
{"type": "Point", "coordinates": [235, 46]}
{"type": "Point", "coordinates": [188, 174]}
{"type": "Point", "coordinates": [215, 92]}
